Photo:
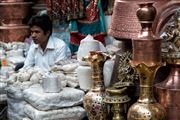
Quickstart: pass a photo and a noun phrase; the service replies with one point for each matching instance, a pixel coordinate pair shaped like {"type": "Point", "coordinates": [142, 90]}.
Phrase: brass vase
{"type": "Point", "coordinates": [147, 60]}
{"type": "Point", "coordinates": [93, 100]}
{"type": "Point", "coordinates": [168, 91]}
{"type": "Point", "coordinates": [146, 108]}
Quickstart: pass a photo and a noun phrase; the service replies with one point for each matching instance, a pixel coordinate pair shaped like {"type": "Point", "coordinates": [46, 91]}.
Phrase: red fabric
{"type": "Point", "coordinates": [92, 11]}
{"type": "Point", "coordinates": [65, 10]}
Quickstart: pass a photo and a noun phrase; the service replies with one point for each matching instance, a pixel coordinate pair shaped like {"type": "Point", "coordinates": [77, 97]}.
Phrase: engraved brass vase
{"type": "Point", "coordinates": [147, 60]}
{"type": "Point", "coordinates": [93, 100]}
{"type": "Point", "coordinates": [146, 108]}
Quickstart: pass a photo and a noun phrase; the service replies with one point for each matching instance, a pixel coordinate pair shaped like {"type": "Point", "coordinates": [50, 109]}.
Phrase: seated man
{"type": "Point", "coordinates": [46, 49]}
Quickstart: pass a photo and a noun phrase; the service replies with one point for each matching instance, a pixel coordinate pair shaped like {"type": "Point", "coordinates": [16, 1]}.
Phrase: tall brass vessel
{"type": "Point", "coordinates": [168, 91]}
{"type": "Point", "coordinates": [93, 100]}
{"type": "Point", "coordinates": [147, 60]}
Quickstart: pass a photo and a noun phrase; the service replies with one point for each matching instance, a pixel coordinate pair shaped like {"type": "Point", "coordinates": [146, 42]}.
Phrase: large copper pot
{"type": "Point", "coordinates": [14, 13]}
{"type": "Point", "coordinates": [13, 33]}
{"type": "Point", "coordinates": [13, 18]}
{"type": "Point", "coordinates": [168, 93]}
{"type": "Point", "coordinates": [124, 24]}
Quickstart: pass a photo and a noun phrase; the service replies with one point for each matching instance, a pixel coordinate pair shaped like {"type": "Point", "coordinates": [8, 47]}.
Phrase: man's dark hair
{"type": "Point", "coordinates": [42, 21]}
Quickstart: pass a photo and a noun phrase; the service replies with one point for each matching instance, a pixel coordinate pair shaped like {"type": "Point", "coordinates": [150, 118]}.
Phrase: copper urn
{"type": "Point", "coordinates": [168, 91]}
{"type": "Point", "coordinates": [13, 19]}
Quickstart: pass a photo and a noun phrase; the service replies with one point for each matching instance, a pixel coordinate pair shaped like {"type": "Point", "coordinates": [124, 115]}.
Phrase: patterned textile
{"type": "Point", "coordinates": [65, 10]}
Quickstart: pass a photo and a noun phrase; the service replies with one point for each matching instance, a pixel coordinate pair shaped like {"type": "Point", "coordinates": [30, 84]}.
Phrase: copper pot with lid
{"type": "Point", "coordinates": [168, 91]}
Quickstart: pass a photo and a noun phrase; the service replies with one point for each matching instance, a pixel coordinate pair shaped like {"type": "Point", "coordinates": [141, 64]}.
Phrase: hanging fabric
{"type": "Point", "coordinates": [92, 24]}
{"type": "Point", "coordinates": [65, 10]}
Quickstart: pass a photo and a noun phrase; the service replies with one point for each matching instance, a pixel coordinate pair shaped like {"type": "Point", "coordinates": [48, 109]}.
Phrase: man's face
{"type": "Point", "coordinates": [38, 35]}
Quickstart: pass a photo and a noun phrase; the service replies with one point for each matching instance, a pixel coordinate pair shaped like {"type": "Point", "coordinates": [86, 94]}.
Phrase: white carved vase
{"type": "Point", "coordinates": [84, 75]}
